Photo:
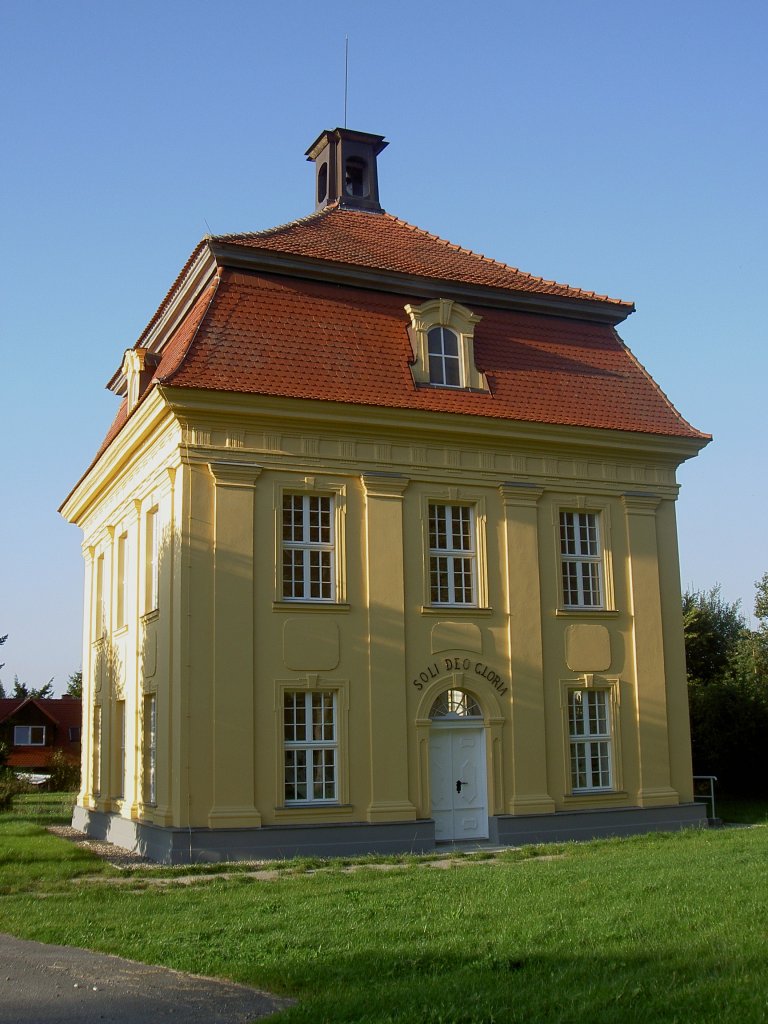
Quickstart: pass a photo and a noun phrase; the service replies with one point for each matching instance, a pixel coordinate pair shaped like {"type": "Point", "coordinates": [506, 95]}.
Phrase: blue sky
{"type": "Point", "coordinates": [614, 146]}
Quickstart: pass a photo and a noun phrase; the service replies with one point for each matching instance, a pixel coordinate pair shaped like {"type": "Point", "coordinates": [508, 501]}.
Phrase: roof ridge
{"type": "Point", "coordinates": [268, 232]}
{"type": "Point", "coordinates": [504, 266]}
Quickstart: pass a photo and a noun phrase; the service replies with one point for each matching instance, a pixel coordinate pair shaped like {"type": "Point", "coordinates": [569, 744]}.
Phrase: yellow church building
{"type": "Point", "coordinates": [380, 553]}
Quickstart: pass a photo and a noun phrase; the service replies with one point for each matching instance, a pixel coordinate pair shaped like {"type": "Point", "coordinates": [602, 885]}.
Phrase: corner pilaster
{"type": "Point", "coordinates": [233, 748]}
{"type": "Point", "coordinates": [648, 650]}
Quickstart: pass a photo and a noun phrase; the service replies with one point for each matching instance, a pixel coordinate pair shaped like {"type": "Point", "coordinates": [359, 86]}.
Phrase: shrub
{"type": "Point", "coordinates": [65, 776]}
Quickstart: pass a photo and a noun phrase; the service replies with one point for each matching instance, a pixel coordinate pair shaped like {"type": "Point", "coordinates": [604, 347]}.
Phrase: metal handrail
{"type": "Point", "coordinates": [707, 797]}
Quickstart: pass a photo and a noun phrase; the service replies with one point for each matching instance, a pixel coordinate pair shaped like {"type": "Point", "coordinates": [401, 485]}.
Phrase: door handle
{"type": "Point", "coordinates": [459, 784]}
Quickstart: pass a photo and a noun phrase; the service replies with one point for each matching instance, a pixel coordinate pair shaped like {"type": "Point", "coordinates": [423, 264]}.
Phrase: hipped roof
{"type": "Point", "coordinates": [314, 310]}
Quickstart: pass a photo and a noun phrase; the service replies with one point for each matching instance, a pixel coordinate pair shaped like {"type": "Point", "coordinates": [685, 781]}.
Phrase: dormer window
{"type": "Point", "coordinates": [442, 338]}
{"type": "Point", "coordinates": [138, 367]}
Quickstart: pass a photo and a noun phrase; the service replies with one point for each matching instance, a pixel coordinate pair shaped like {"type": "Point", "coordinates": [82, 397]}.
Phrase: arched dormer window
{"type": "Point", "coordinates": [444, 361]}
{"type": "Point", "coordinates": [442, 338]}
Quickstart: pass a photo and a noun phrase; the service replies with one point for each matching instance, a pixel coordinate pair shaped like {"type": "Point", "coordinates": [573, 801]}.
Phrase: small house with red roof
{"type": "Point", "coordinates": [380, 553]}
{"type": "Point", "coordinates": [32, 729]}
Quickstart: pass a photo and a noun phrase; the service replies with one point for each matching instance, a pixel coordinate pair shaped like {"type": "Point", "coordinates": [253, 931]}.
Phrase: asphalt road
{"type": "Point", "coordinates": [42, 984]}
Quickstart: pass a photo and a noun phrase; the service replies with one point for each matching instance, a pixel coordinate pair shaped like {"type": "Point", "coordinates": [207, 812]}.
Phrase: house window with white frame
{"type": "Point", "coordinates": [589, 736]}
{"type": "Point", "coordinates": [444, 357]}
{"type": "Point", "coordinates": [99, 614]}
{"type": "Point", "coordinates": [310, 746]}
{"type": "Point", "coordinates": [29, 735]}
{"type": "Point", "coordinates": [120, 725]}
{"type": "Point", "coordinates": [150, 749]}
{"type": "Point", "coordinates": [452, 555]}
{"type": "Point", "coordinates": [122, 581]}
{"type": "Point", "coordinates": [152, 562]}
{"type": "Point", "coordinates": [581, 560]}
{"type": "Point", "coordinates": [96, 751]}
{"type": "Point", "coordinates": [308, 548]}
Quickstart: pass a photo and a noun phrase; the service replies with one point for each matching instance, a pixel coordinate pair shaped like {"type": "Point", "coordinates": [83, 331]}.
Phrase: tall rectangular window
{"type": "Point", "coordinates": [120, 723]}
{"type": "Point", "coordinates": [452, 555]}
{"type": "Point", "coordinates": [152, 562]}
{"type": "Point", "coordinates": [581, 560]}
{"type": "Point", "coordinates": [150, 749]}
{"type": "Point", "coordinates": [29, 735]}
{"type": "Point", "coordinates": [308, 548]}
{"type": "Point", "coordinates": [310, 747]}
{"type": "Point", "coordinates": [98, 599]}
{"type": "Point", "coordinates": [590, 739]}
{"type": "Point", "coordinates": [122, 581]}
{"type": "Point", "coordinates": [96, 751]}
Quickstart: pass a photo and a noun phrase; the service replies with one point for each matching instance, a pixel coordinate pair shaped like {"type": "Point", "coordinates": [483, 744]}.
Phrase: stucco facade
{"type": "Point", "coordinates": [317, 624]}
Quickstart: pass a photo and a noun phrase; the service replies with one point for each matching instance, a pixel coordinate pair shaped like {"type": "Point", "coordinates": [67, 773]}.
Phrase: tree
{"type": "Point", "coordinates": [23, 690]}
{"type": "Point", "coordinates": [2, 641]}
{"type": "Point", "coordinates": [75, 685]}
{"type": "Point", "coordinates": [713, 631]}
{"type": "Point", "coordinates": [20, 690]}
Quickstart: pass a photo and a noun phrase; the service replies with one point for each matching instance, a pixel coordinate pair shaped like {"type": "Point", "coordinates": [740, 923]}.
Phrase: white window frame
{"type": "Point", "coordinates": [307, 488]}
{"type": "Point", "coordinates": [582, 559]}
{"type": "Point", "coordinates": [446, 559]}
{"type": "Point", "coordinates": [591, 750]}
{"type": "Point", "coordinates": [121, 725]}
{"type": "Point", "coordinates": [99, 609]}
{"type": "Point", "coordinates": [121, 602]}
{"type": "Point", "coordinates": [22, 736]}
{"type": "Point", "coordinates": [442, 363]}
{"type": "Point", "coordinates": [312, 749]}
{"type": "Point", "coordinates": [150, 750]}
{"type": "Point", "coordinates": [152, 561]}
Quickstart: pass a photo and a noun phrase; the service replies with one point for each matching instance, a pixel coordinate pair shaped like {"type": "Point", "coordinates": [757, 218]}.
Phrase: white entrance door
{"type": "Point", "coordinates": [457, 782]}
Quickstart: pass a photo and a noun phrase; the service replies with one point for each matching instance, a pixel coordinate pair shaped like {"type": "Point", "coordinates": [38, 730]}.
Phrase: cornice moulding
{"type": "Point", "coordinates": [355, 276]}
{"type": "Point", "coordinates": [421, 427]}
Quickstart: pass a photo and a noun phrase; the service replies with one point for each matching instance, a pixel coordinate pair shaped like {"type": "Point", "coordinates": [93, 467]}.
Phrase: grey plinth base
{"type": "Point", "coordinates": [272, 842]}
{"type": "Point", "coordinates": [277, 842]}
{"type": "Point", "coordinates": [518, 830]}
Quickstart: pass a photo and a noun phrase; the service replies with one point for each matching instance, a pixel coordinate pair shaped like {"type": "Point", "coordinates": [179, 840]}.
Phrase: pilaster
{"type": "Point", "coordinates": [386, 631]}
{"type": "Point", "coordinates": [648, 650]}
{"type": "Point", "coordinates": [529, 785]}
{"type": "Point", "coordinates": [233, 747]}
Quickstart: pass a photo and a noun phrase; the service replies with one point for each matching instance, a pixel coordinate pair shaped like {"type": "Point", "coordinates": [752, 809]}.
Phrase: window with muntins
{"type": "Point", "coordinates": [150, 749]}
{"type": "Point", "coordinates": [122, 581]}
{"type": "Point", "coordinates": [589, 732]}
{"type": "Point", "coordinates": [29, 735]}
{"type": "Point", "coordinates": [310, 747]}
{"type": "Point", "coordinates": [308, 548]}
{"type": "Point", "coordinates": [444, 357]}
{"type": "Point", "coordinates": [152, 562]}
{"type": "Point", "coordinates": [452, 555]}
{"type": "Point", "coordinates": [581, 560]}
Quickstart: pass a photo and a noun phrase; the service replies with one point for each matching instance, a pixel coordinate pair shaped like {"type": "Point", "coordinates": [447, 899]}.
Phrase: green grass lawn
{"type": "Point", "coordinates": [654, 928]}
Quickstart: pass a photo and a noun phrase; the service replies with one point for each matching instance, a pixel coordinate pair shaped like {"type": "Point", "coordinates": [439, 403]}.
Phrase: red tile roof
{"type": "Point", "coordinates": [290, 337]}
{"type": "Point", "coordinates": [386, 243]}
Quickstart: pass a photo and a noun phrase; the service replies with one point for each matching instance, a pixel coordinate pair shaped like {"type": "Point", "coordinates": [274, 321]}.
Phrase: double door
{"type": "Point", "coordinates": [458, 784]}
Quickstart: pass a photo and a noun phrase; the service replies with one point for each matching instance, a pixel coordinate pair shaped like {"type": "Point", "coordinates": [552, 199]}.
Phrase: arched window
{"type": "Point", "coordinates": [444, 360]}
{"type": "Point", "coordinates": [455, 704]}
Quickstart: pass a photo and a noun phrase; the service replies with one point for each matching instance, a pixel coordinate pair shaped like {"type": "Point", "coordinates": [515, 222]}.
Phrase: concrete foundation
{"type": "Point", "coordinates": [279, 842]}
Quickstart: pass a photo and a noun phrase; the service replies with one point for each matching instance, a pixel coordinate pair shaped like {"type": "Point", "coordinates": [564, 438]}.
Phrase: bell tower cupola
{"type": "Point", "coordinates": [345, 169]}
